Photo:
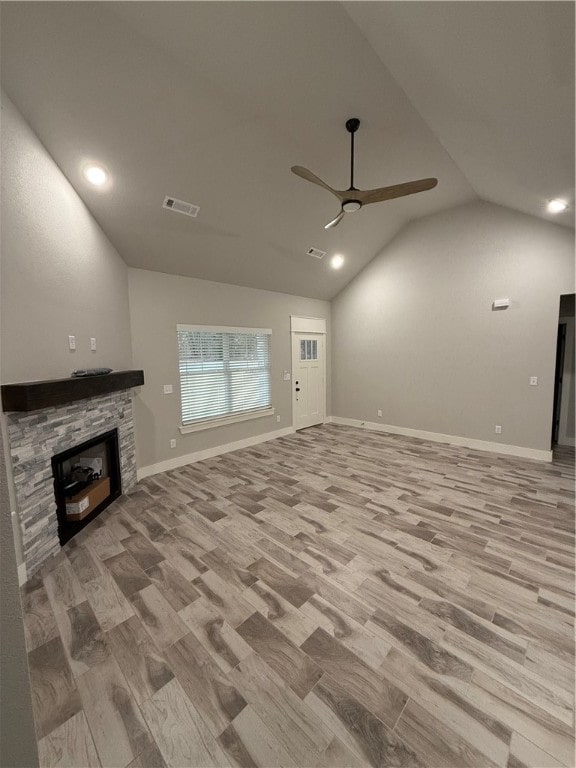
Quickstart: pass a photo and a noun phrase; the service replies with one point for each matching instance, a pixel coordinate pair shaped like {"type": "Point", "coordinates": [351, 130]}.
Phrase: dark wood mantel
{"type": "Point", "coordinates": [33, 395]}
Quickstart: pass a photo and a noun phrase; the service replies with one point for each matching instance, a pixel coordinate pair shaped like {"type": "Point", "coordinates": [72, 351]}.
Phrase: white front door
{"type": "Point", "coordinates": [308, 379]}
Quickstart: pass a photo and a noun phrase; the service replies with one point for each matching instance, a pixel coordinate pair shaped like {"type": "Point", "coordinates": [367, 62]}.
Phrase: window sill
{"type": "Point", "coordinates": [212, 423]}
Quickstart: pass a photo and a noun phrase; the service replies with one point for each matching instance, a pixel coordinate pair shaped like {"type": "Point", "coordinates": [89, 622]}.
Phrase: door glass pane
{"type": "Point", "coordinates": [308, 349]}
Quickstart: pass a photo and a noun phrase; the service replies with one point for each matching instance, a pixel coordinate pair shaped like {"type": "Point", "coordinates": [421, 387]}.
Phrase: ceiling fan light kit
{"type": "Point", "coordinates": [352, 199]}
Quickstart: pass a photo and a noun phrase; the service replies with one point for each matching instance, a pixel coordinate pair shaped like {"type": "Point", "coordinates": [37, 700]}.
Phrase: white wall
{"type": "Point", "coordinates": [60, 274]}
{"type": "Point", "coordinates": [414, 334]}
{"type": "Point", "coordinates": [158, 302]}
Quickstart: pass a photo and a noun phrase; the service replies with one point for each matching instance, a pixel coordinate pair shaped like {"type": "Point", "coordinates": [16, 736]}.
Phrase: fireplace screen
{"type": "Point", "coordinates": [86, 481]}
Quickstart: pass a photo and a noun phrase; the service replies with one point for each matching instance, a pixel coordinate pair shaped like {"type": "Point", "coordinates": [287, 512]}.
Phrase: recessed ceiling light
{"type": "Point", "coordinates": [336, 261]}
{"type": "Point", "coordinates": [96, 175]}
{"type": "Point", "coordinates": [557, 206]}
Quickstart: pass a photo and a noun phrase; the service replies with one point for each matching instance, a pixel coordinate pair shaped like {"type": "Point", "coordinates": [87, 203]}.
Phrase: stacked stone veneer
{"type": "Point", "coordinates": [36, 436]}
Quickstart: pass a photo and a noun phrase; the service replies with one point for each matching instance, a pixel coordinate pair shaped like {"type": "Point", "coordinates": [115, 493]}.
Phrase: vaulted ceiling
{"type": "Point", "coordinates": [213, 102]}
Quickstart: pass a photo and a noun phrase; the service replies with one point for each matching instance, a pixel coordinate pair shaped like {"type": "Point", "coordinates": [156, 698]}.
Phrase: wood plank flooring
{"type": "Point", "coordinates": [332, 598]}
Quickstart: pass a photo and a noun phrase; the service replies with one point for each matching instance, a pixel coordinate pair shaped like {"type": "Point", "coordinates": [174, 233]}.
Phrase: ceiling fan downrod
{"type": "Point", "coordinates": [352, 205]}
{"type": "Point", "coordinates": [352, 126]}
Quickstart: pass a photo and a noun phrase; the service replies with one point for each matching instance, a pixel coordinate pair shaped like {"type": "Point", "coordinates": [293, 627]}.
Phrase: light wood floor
{"type": "Point", "coordinates": [332, 598]}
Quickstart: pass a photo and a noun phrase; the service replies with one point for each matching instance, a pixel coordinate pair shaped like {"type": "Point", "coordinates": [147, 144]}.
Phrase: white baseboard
{"type": "Point", "coordinates": [22, 575]}
{"type": "Point", "coordinates": [436, 437]}
{"type": "Point", "coordinates": [209, 453]}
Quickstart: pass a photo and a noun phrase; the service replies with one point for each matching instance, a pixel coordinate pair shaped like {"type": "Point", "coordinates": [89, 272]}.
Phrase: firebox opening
{"type": "Point", "coordinates": [86, 481]}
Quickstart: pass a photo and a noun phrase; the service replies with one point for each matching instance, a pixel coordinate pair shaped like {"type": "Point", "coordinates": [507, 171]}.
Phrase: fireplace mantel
{"type": "Point", "coordinates": [34, 395]}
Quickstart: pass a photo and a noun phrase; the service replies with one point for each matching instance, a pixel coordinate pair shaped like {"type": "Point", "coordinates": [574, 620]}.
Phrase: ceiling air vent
{"type": "Point", "coordinates": [316, 252]}
{"type": "Point", "coordinates": [180, 206]}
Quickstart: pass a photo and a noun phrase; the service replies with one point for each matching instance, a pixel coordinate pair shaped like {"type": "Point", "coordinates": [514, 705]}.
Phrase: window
{"type": "Point", "coordinates": [224, 373]}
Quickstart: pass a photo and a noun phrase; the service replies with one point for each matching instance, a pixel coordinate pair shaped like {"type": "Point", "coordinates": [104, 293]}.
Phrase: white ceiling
{"type": "Point", "coordinates": [213, 102]}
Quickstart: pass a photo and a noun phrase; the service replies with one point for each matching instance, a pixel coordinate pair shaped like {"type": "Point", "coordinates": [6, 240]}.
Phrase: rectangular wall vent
{"type": "Point", "coordinates": [316, 252]}
{"type": "Point", "coordinates": [180, 206]}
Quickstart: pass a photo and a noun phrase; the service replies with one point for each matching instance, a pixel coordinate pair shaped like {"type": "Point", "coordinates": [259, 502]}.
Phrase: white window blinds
{"type": "Point", "coordinates": [223, 371]}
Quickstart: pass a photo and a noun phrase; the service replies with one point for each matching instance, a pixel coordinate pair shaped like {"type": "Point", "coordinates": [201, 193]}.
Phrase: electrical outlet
{"type": "Point", "coordinates": [72, 342]}
{"type": "Point", "coordinates": [278, 419]}
{"type": "Point", "coordinates": [498, 429]}
{"type": "Point", "coordinates": [168, 389]}
{"type": "Point", "coordinates": [93, 344]}
{"type": "Point", "coordinates": [379, 411]}
{"type": "Point", "coordinates": [172, 443]}
{"type": "Point", "coordinates": [533, 381]}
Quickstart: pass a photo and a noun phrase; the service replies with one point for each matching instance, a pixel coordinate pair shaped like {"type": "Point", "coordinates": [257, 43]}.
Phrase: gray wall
{"type": "Point", "coordinates": [158, 302]}
{"type": "Point", "coordinates": [17, 738]}
{"type": "Point", "coordinates": [61, 276]}
{"type": "Point", "coordinates": [414, 333]}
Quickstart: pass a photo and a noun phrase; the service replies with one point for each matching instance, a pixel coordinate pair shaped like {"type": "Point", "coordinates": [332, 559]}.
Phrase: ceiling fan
{"type": "Point", "coordinates": [353, 199]}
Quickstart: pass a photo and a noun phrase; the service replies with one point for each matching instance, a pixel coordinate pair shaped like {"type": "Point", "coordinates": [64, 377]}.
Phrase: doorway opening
{"type": "Point", "coordinates": [563, 409]}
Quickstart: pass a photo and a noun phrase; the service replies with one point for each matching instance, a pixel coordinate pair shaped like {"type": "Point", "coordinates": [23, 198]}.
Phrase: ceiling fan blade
{"type": "Point", "coordinates": [304, 173]}
{"type": "Point", "coordinates": [396, 190]}
{"type": "Point", "coordinates": [335, 221]}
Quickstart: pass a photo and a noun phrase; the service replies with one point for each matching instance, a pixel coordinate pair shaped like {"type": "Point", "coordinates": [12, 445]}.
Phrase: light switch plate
{"type": "Point", "coordinates": [533, 381]}
{"type": "Point", "coordinates": [168, 389]}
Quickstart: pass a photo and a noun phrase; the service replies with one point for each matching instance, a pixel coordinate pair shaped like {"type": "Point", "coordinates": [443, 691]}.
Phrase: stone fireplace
{"type": "Point", "coordinates": [37, 434]}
